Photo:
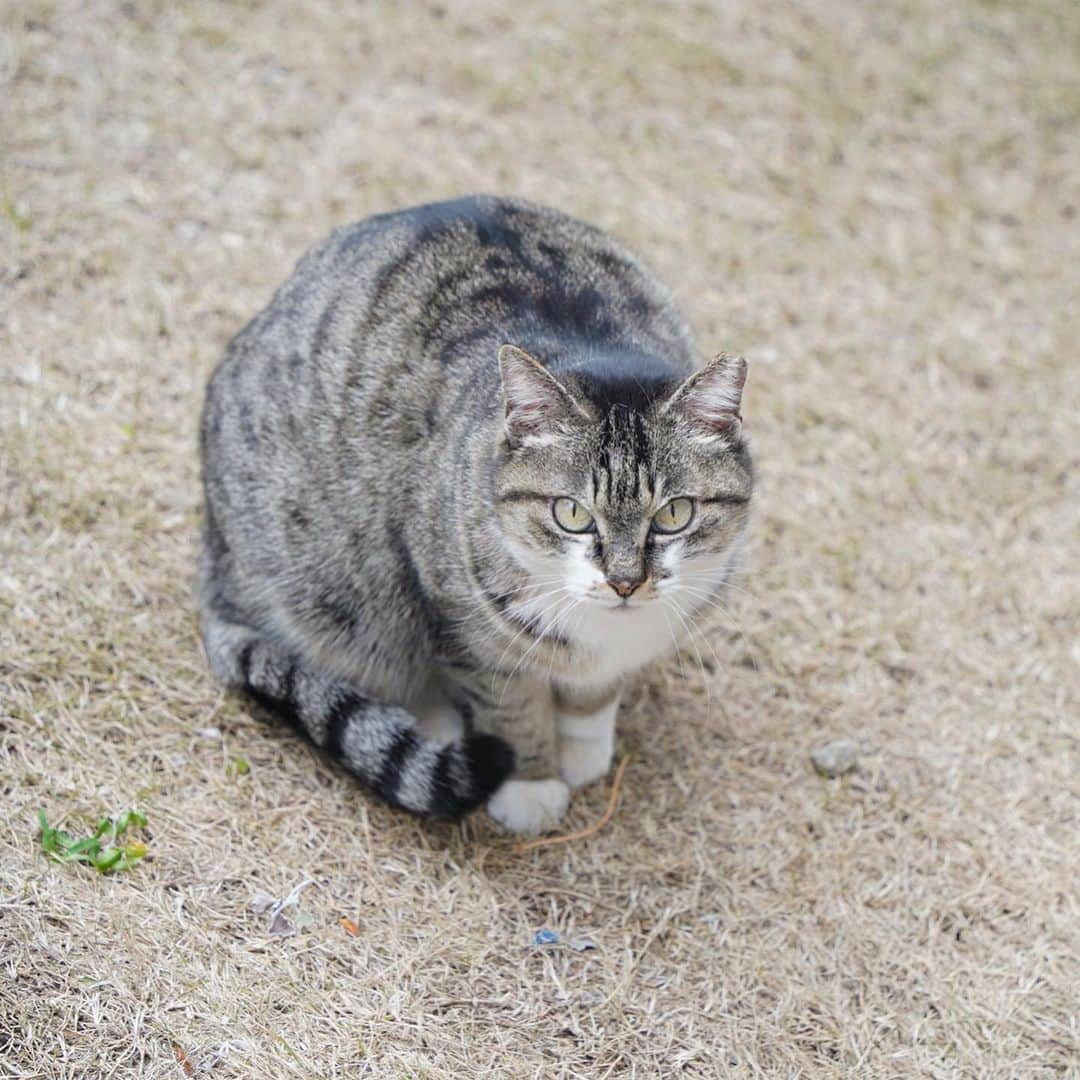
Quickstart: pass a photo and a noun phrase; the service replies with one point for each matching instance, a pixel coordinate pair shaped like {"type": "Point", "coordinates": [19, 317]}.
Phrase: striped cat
{"type": "Point", "coordinates": [463, 476]}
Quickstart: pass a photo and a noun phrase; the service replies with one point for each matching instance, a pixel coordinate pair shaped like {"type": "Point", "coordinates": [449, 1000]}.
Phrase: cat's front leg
{"type": "Point", "coordinates": [585, 731]}
{"type": "Point", "coordinates": [521, 711]}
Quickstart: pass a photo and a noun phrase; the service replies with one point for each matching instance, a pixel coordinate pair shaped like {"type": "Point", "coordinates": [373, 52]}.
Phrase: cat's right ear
{"type": "Point", "coordinates": [539, 409]}
{"type": "Point", "coordinates": [710, 399]}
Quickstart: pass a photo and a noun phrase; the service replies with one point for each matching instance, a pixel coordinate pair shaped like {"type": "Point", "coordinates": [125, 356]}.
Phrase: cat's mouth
{"type": "Point", "coordinates": [626, 605]}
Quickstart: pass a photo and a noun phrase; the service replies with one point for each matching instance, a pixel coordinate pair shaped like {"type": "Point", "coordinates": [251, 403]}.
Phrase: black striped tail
{"type": "Point", "coordinates": [377, 742]}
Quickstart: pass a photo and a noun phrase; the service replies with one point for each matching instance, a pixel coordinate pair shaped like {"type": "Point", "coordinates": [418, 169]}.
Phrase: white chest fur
{"type": "Point", "coordinates": [617, 642]}
{"type": "Point", "coordinates": [611, 641]}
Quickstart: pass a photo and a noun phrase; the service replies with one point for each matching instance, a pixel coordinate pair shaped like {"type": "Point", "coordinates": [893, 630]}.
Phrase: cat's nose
{"type": "Point", "coordinates": [624, 586]}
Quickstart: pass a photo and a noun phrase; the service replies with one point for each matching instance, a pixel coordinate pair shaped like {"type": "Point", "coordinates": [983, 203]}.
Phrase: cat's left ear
{"type": "Point", "coordinates": [710, 399]}
{"type": "Point", "coordinates": [539, 409]}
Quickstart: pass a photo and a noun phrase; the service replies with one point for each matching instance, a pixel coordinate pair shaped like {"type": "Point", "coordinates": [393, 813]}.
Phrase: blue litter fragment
{"type": "Point", "coordinates": [545, 937]}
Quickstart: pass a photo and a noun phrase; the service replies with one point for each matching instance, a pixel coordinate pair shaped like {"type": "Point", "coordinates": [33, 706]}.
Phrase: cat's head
{"type": "Point", "coordinates": [635, 496]}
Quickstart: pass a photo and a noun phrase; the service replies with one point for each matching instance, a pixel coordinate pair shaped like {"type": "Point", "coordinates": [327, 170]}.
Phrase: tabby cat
{"type": "Point", "coordinates": [463, 476]}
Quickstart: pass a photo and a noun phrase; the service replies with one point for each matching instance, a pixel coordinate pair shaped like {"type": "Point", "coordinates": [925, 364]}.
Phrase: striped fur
{"type": "Point", "coordinates": [378, 515]}
{"type": "Point", "coordinates": [376, 741]}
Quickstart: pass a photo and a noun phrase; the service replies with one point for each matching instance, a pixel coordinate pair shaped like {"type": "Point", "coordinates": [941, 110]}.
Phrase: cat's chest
{"type": "Point", "coordinates": [614, 643]}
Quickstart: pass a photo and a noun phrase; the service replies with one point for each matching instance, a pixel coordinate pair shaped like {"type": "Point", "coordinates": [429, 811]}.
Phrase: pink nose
{"type": "Point", "coordinates": [624, 586]}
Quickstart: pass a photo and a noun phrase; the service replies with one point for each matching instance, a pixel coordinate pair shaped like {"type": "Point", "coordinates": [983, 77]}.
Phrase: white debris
{"type": "Point", "coordinates": [835, 758]}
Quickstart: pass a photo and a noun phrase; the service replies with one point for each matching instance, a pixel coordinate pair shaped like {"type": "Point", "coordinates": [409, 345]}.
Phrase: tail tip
{"type": "Point", "coordinates": [491, 761]}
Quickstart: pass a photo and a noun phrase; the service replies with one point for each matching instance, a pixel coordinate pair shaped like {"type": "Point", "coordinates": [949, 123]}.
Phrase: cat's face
{"type": "Point", "coordinates": [624, 509]}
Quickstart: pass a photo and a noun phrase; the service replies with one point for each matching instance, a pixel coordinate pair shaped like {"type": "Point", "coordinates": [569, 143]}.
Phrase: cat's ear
{"type": "Point", "coordinates": [539, 408]}
{"type": "Point", "coordinates": [709, 400]}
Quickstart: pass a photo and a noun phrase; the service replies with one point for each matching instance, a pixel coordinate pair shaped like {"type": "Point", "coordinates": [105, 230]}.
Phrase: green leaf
{"type": "Point", "coordinates": [90, 846]}
{"type": "Point", "coordinates": [126, 820]}
{"type": "Point", "coordinates": [48, 833]}
{"type": "Point", "coordinates": [107, 858]}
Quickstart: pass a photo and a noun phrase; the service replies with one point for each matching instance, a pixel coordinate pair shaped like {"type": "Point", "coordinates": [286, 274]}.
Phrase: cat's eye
{"type": "Point", "coordinates": [571, 516]}
{"type": "Point", "coordinates": [674, 516]}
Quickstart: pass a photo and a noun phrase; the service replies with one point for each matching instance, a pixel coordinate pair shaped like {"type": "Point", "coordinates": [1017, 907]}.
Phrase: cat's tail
{"type": "Point", "coordinates": [379, 743]}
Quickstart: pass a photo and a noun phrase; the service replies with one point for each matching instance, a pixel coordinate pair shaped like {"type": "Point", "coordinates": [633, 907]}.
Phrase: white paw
{"type": "Point", "coordinates": [581, 761]}
{"type": "Point", "coordinates": [529, 806]}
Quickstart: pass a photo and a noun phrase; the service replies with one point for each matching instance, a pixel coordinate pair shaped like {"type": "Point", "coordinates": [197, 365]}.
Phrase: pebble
{"type": "Point", "coordinates": [581, 944]}
{"type": "Point", "coordinates": [835, 758]}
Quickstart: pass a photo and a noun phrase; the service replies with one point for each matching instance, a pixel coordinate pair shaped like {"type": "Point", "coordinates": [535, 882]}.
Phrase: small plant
{"type": "Point", "coordinates": [104, 850]}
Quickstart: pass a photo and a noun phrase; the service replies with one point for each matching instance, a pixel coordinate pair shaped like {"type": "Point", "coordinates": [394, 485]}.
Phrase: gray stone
{"type": "Point", "coordinates": [835, 758]}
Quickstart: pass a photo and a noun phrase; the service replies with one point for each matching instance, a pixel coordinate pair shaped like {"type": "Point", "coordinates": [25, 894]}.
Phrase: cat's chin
{"type": "Point", "coordinates": [621, 638]}
{"type": "Point", "coordinates": [646, 607]}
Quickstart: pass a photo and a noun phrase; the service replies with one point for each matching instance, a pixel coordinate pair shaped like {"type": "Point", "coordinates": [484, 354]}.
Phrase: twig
{"type": "Point", "coordinates": [183, 1060]}
{"type": "Point", "coordinates": [550, 841]}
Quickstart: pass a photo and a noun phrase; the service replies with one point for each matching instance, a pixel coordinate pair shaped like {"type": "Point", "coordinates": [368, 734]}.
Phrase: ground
{"type": "Point", "coordinates": [877, 204]}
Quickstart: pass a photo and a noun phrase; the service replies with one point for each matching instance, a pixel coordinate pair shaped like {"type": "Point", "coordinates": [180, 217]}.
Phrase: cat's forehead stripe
{"type": "Point", "coordinates": [624, 456]}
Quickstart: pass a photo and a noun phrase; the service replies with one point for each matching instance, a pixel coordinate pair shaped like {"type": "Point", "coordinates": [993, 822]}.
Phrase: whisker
{"type": "Point", "coordinates": [705, 638]}
{"type": "Point", "coordinates": [543, 633]}
{"type": "Point", "coordinates": [518, 592]}
{"type": "Point", "coordinates": [719, 581]}
{"type": "Point", "coordinates": [674, 640]}
{"type": "Point", "coordinates": [708, 601]}
{"type": "Point", "coordinates": [712, 603]}
{"type": "Point", "coordinates": [551, 663]}
{"type": "Point", "coordinates": [701, 663]}
{"type": "Point", "coordinates": [537, 619]}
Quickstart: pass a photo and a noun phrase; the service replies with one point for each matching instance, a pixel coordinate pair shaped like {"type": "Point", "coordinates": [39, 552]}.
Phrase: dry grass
{"type": "Point", "coordinates": [877, 203]}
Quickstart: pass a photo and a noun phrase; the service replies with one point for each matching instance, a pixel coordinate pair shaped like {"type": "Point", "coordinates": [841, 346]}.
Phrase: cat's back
{"type": "Point", "coordinates": [389, 328]}
{"type": "Point", "coordinates": [434, 281]}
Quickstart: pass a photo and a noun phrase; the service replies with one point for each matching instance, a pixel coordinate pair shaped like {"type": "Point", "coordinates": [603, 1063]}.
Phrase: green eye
{"type": "Point", "coordinates": [571, 516]}
{"type": "Point", "coordinates": [674, 517]}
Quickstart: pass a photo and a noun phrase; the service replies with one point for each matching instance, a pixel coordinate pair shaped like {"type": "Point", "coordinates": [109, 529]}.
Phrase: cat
{"type": "Point", "coordinates": [463, 476]}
